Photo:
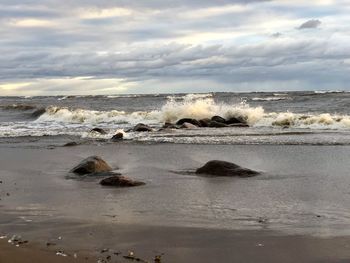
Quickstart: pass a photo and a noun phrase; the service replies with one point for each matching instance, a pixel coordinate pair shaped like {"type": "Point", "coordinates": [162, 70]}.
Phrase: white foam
{"type": "Point", "coordinates": [271, 98]}
{"type": "Point", "coordinates": [318, 121]}
{"type": "Point", "coordinates": [66, 115]}
{"type": "Point", "coordinates": [206, 108]}
{"type": "Point", "coordinates": [328, 91]}
{"type": "Point", "coordinates": [197, 108]}
{"type": "Point", "coordinates": [191, 96]}
{"type": "Point", "coordinates": [124, 96]}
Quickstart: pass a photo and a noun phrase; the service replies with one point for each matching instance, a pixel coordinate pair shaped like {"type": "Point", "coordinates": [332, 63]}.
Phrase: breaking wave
{"type": "Point", "coordinates": [191, 96]}
{"type": "Point", "coordinates": [125, 96]}
{"type": "Point", "coordinates": [21, 107]}
{"type": "Point", "coordinates": [198, 108]}
{"type": "Point", "coordinates": [270, 98]}
{"type": "Point", "coordinates": [328, 91]}
{"type": "Point", "coordinates": [66, 115]}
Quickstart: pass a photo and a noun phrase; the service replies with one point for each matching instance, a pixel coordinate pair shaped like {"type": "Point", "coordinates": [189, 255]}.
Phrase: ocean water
{"type": "Point", "coordinates": [292, 139]}
{"type": "Point", "coordinates": [314, 117]}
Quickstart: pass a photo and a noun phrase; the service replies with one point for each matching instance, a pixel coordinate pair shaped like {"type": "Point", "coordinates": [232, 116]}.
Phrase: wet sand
{"type": "Point", "coordinates": [297, 211]}
{"type": "Point", "coordinates": [186, 245]}
{"type": "Point", "coordinates": [30, 253]}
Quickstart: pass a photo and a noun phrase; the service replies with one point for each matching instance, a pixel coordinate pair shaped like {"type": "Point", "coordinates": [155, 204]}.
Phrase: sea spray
{"type": "Point", "coordinates": [206, 108]}
{"type": "Point", "coordinates": [197, 108]}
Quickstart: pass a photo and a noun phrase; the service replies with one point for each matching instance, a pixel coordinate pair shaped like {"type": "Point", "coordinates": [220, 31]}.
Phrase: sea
{"type": "Point", "coordinates": [305, 117]}
{"type": "Point", "coordinates": [298, 141]}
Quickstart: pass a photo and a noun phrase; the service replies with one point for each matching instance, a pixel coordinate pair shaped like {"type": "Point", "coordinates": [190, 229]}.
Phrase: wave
{"type": "Point", "coordinates": [189, 107]}
{"type": "Point", "coordinates": [271, 98]}
{"type": "Point", "coordinates": [125, 96]}
{"type": "Point", "coordinates": [191, 96]}
{"type": "Point", "coordinates": [328, 91]}
{"type": "Point", "coordinates": [314, 121]}
{"type": "Point", "coordinates": [66, 115]}
{"type": "Point", "coordinates": [21, 107]}
{"type": "Point", "coordinates": [71, 97]}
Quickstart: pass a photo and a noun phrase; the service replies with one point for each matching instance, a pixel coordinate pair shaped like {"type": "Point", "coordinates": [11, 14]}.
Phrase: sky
{"type": "Point", "coordinates": [60, 47]}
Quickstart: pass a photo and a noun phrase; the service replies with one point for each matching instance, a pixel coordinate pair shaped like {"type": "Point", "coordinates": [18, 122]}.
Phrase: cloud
{"type": "Point", "coordinates": [137, 4]}
{"type": "Point", "coordinates": [277, 35]}
{"type": "Point", "coordinates": [313, 23]}
{"type": "Point", "coordinates": [164, 46]}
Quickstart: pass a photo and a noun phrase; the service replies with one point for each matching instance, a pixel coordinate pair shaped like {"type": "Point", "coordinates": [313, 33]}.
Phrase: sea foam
{"type": "Point", "coordinates": [198, 108]}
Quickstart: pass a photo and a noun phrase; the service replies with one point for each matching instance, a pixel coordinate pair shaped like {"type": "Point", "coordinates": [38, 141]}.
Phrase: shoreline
{"type": "Point", "coordinates": [180, 217]}
{"type": "Point", "coordinates": [33, 253]}
{"type": "Point", "coordinates": [176, 244]}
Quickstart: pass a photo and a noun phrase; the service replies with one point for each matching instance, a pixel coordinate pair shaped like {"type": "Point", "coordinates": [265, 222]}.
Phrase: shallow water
{"type": "Point", "coordinates": [303, 189]}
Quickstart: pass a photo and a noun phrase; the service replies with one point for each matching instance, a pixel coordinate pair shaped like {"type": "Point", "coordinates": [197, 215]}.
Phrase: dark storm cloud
{"type": "Point", "coordinates": [313, 23]}
{"type": "Point", "coordinates": [177, 61]}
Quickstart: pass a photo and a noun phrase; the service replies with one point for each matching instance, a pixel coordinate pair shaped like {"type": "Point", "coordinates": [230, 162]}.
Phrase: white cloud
{"type": "Point", "coordinates": [31, 23]}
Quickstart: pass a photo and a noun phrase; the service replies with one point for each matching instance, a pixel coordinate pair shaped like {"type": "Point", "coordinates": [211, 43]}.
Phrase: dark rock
{"type": "Point", "coordinates": [188, 120]}
{"type": "Point", "coordinates": [92, 164]}
{"type": "Point", "coordinates": [142, 128]}
{"type": "Point", "coordinates": [169, 125]}
{"type": "Point", "coordinates": [120, 181]}
{"type": "Point", "coordinates": [98, 130]}
{"type": "Point", "coordinates": [38, 112]}
{"type": "Point", "coordinates": [218, 119]}
{"type": "Point", "coordinates": [234, 120]}
{"type": "Point", "coordinates": [187, 125]}
{"type": "Point", "coordinates": [117, 137]}
{"type": "Point", "coordinates": [69, 144]}
{"type": "Point", "coordinates": [215, 124]}
{"type": "Point", "coordinates": [204, 122]}
{"type": "Point", "coordinates": [222, 168]}
{"type": "Point", "coordinates": [104, 174]}
{"type": "Point", "coordinates": [238, 125]}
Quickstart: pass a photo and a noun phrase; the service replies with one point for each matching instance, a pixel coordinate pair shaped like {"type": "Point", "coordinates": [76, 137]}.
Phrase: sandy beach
{"type": "Point", "coordinates": [291, 213]}
{"type": "Point", "coordinates": [183, 245]}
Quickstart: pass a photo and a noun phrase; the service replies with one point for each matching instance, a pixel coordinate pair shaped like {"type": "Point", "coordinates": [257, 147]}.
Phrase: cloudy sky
{"type": "Point", "coordinates": [164, 46]}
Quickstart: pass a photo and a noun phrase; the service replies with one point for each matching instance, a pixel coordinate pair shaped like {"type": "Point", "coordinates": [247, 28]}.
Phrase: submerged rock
{"type": "Point", "coordinates": [218, 119]}
{"type": "Point", "coordinates": [98, 130]}
{"type": "Point", "coordinates": [92, 164]}
{"type": "Point", "coordinates": [70, 144]}
{"type": "Point", "coordinates": [205, 122]}
{"type": "Point", "coordinates": [188, 120]}
{"type": "Point", "coordinates": [215, 124]}
{"type": "Point", "coordinates": [142, 128]}
{"type": "Point", "coordinates": [117, 137]}
{"type": "Point", "coordinates": [238, 125]}
{"type": "Point", "coordinates": [236, 120]}
{"type": "Point", "coordinates": [222, 168]}
{"type": "Point", "coordinates": [187, 125]}
{"type": "Point", "coordinates": [169, 125]}
{"type": "Point", "coordinates": [120, 181]}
